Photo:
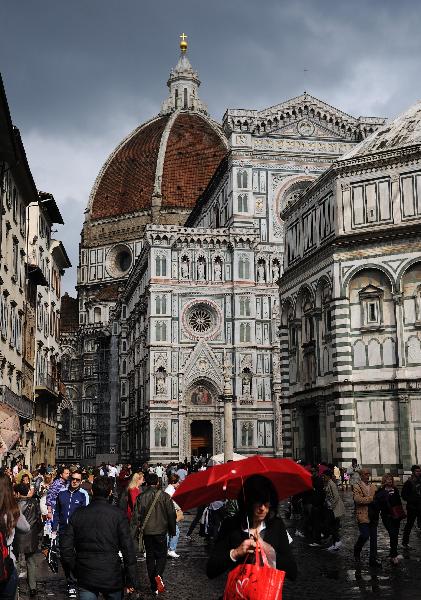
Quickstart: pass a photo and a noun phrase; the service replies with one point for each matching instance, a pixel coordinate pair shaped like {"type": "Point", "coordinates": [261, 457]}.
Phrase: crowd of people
{"type": "Point", "coordinates": [321, 509]}
{"type": "Point", "coordinates": [100, 519]}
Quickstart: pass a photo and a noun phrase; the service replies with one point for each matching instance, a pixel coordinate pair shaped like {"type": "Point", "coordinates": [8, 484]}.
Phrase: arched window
{"type": "Point", "coordinates": [161, 331]}
{"type": "Point", "coordinates": [124, 346]}
{"type": "Point", "coordinates": [245, 307]}
{"type": "Point", "coordinates": [243, 203]}
{"type": "Point", "coordinates": [66, 424]}
{"type": "Point", "coordinates": [161, 266]}
{"type": "Point", "coordinates": [245, 332]}
{"type": "Point", "coordinates": [123, 389]}
{"type": "Point", "coordinates": [247, 434]}
{"type": "Point", "coordinates": [244, 268]}
{"type": "Point", "coordinates": [161, 305]}
{"type": "Point", "coordinates": [160, 435]}
{"type": "Point", "coordinates": [97, 314]}
{"type": "Point", "coordinates": [65, 367]}
{"type": "Point", "coordinates": [242, 179]}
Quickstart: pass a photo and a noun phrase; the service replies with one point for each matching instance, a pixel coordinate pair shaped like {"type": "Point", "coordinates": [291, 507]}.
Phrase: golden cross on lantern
{"type": "Point", "coordinates": [183, 42]}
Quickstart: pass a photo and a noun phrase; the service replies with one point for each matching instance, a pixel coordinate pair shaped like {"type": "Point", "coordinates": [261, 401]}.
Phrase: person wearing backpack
{"type": "Point", "coordinates": [11, 520]}
{"type": "Point", "coordinates": [153, 519]}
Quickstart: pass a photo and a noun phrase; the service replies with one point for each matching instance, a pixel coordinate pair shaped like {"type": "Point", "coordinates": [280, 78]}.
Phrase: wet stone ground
{"type": "Point", "coordinates": [322, 576]}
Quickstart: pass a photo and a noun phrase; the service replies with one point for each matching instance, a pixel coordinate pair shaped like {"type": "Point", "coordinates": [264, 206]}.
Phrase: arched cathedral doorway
{"type": "Point", "coordinates": [201, 438]}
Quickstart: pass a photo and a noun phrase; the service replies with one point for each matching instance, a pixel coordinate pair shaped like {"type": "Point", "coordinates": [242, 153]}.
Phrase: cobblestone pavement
{"type": "Point", "coordinates": [322, 576]}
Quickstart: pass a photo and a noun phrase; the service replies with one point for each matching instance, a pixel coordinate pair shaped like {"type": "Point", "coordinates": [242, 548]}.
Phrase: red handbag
{"type": "Point", "coordinates": [255, 581]}
{"type": "Point", "coordinates": [397, 512]}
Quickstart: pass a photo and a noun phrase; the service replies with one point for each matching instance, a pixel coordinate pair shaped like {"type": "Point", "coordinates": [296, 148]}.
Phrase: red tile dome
{"type": "Point", "coordinates": [174, 155]}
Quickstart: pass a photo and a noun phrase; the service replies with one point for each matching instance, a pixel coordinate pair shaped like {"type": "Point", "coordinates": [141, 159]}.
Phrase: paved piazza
{"type": "Point", "coordinates": [322, 576]}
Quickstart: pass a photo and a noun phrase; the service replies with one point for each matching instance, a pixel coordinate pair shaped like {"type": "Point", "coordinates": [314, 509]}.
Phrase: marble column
{"type": "Point", "coordinates": [321, 405]}
{"type": "Point", "coordinates": [405, 432]}
{"type": "Point", "coordinates": [228, 433]}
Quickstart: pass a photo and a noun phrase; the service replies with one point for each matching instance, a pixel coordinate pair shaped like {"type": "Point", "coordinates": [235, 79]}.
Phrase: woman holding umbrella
{"type": "Point", "coordinates": [256, 520]}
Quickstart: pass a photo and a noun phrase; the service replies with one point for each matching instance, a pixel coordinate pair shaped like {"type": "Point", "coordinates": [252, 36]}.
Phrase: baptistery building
{"type": "Point", "coordinates": [181, 256]}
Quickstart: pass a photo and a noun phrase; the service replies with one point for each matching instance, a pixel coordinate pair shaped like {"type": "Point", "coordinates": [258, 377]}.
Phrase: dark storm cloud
{"type": "Point", "coordinates": [80, 74]}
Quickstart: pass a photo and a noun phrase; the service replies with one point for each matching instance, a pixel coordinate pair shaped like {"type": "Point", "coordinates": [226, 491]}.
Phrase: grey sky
{"type": "Point", "coordinates": [81, 74]}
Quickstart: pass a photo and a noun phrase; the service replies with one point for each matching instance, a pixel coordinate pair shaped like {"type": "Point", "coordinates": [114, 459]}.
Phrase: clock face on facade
{"type": "Point", "coordinates": [305, 128]}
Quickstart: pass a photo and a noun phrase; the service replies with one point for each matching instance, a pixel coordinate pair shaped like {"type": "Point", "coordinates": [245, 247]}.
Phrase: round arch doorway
{"type": "Point", "coordinates": [201, 438]}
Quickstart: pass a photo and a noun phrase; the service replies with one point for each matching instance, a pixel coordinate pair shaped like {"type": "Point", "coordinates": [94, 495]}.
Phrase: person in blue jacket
{"type": "Point", "coordinates": [68, 501]}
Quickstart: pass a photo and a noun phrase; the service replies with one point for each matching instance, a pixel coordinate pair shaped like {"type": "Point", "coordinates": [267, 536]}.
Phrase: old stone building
{"type": "Point", "coordinates": [31, 266]}
{"type": "Point", "coordinates": [351, 306]}
{"type": "Point", "coordinates": [17, 191]}
{"type": "Point", "coordinates": [180, 257]}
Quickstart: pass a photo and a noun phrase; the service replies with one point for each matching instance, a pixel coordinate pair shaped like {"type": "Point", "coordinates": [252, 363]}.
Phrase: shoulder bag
{"type": "Point", "coordinates": [146, 519]}
{"type": "Point", "coordinates": [397, 512]}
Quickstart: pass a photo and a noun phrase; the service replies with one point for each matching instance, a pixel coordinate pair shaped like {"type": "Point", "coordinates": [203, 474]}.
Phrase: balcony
{"type": "Point", "coordinates": [21, 405]}
{"type": "Point", "coordinates": [48, 387]}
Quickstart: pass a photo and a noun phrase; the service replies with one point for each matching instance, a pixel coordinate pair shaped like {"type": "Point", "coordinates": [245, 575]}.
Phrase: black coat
{"type": "Point", "coordinates": [411, 493]}
{"type": "Point", "coordinates": [90, 547]}
{"type": "Point", "coordinates": [231, 535]}
{"type": "Point", "coordinates": [27, 543]}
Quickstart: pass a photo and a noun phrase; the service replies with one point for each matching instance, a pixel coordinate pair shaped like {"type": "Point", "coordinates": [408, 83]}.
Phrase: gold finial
{"type": "Point", "coordinates": [183, 42]}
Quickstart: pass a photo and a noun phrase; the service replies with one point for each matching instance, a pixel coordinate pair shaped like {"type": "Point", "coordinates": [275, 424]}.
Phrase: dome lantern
{"type": "Point", "coordinates": [183, 84]}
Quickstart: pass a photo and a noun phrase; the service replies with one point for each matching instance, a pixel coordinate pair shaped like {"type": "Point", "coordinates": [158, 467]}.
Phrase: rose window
{"type": "Point", "coordinates": [200, 320]}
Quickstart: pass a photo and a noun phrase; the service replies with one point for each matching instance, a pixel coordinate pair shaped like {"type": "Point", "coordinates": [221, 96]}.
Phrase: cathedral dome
{"type": "Point", "coordinates": [403, 131]}
{"type": "Point", "coordinates": [166, 163]}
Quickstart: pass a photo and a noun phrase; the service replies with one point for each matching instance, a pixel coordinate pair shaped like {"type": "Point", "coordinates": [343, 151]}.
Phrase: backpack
{"type": "Point", "coordinates": [6, 563]}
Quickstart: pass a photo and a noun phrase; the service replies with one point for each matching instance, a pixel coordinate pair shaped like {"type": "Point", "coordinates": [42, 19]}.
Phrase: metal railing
{"type": "Point", "coordinates": [21, 405]}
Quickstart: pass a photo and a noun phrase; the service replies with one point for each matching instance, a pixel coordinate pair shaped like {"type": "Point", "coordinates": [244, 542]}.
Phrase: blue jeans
{"type": "Point", "coordinates": [8, 589]}
{"type": "Point", "coordinates": [367, 531]}
{"type": "Point", "coordinates": [89, 595]}
{"type": "Point", "coordinates": [173, 541]}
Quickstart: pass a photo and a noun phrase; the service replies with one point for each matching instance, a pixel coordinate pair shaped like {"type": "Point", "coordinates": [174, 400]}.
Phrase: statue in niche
{"type": "Point", "coordinates": [160, 381]}
{"type": "Point", "coordinates": [185, 268]}
{"type": "Point", "coordinates": [160, 386]}
{"type": "Point", "coordinates": [200, 396]}
{"type": "Point", "coordinates": [261, 272]}
{"type": "Point", "coordinates": [275, 272]}
{"type": "Point", "coordinates": [246, 384]}
{"type": "Point", "coordinates": [217, 271]}
{"type": "Point", "coordinates": [201, 269]}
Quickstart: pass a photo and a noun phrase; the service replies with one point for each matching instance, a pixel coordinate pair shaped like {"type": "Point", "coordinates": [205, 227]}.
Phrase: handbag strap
{"type": "Point", "coordinates": [259, 548]}
{"type": "Point", "coordinates": [148, 514]}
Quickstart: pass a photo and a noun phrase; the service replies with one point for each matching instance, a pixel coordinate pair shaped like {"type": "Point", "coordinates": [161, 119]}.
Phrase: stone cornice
{"type": "Point", "coordinates": [355, 166]}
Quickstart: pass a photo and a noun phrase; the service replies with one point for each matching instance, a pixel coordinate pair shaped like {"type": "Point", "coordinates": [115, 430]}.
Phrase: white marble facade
{"type": "Point", "coordinates": [176, 301]}
{"type": "Point", "coordinates": [350, 296]}
{"type": "Point", "coordinates": [221, 273]}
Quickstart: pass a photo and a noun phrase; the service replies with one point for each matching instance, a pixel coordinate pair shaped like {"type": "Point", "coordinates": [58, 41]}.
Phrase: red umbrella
{"type": "Point", "coordinates": [225, 481]}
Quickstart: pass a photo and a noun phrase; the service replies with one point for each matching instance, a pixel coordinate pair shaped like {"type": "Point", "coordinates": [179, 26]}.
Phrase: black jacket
{"type": "Point", "coordinates": [162, 519]}
{"type": "Point", "coordinates": [90, 547]}
{"type": "Point", "coordinates": [411, 493]}
{"type": "Point", "coordinates": [231, 535]}
{"type": "Point", "coordinates": [385, 500]}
